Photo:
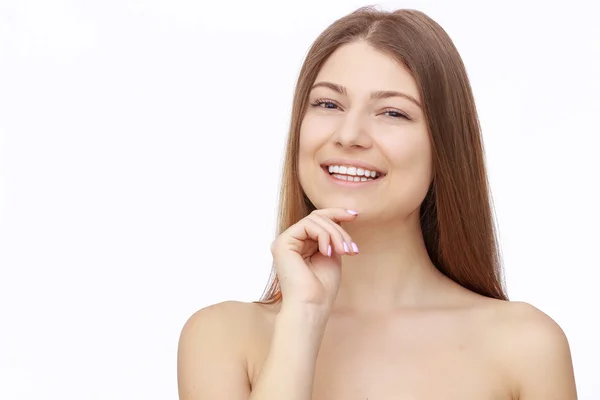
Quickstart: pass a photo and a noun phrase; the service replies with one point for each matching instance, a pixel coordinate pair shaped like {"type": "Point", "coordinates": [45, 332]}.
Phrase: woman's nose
{"type": "Point", "coordinates": [351, 133]}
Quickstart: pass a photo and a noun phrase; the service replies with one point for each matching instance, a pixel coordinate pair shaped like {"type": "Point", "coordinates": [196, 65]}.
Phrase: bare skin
{"type": "Point", "coordinates": [383, 322]}
{"type": "Point", "coordinates": [483, 349]}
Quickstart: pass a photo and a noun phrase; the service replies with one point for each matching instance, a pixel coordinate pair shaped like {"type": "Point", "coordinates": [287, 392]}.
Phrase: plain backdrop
{"type": "Point", "coordinates": [141, 151]}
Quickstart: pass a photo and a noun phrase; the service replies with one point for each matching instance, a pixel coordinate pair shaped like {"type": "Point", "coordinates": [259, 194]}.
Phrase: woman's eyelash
{"type": "Point", "coordinates": [320, 102]}
{"type": "Point", "coordinates": [398, 114]}
{"type": "Point", "coordinates": [332, 106]}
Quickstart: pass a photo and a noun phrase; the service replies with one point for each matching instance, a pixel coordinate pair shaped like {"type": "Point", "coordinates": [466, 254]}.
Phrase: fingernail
{"type": "Point", "coordinates": [354, 247]}
{"type": "Point", "coordinates": [352, 212]}
{"type": "Point", "coordinates": [329, 251]}
{"type": "Point", "coordinates": [346, 249]}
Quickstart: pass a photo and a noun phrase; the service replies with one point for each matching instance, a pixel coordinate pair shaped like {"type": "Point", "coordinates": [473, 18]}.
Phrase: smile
{"type": "Point", "coordinates": [348, 174]}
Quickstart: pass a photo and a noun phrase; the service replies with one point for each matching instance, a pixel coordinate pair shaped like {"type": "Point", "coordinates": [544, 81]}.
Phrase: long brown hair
{"type": "Point", "coordinates": [456, 214]}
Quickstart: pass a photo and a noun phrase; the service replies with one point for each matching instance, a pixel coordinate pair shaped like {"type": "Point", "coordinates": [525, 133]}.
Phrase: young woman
{"type": "Point", "coordinates": [387, 279]}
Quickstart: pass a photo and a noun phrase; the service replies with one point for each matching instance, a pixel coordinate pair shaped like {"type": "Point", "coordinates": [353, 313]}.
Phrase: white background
{"type": "Point", "coordinates": [140, 159]}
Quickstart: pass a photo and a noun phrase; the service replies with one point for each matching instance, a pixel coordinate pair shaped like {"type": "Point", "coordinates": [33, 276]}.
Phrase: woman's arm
{"type": "Point", "coordinates": [212, 363]}
{"type": "Point", "coordinates": [288, 371]}
{"type": "Point", "coordinates": [541, 356]}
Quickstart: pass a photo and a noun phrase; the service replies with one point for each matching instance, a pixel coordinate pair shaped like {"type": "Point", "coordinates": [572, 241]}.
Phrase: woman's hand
{"type": "Point", "coordinates": [307, 257]}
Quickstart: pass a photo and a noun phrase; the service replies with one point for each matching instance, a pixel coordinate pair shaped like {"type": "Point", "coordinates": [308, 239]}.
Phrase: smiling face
{"type": "Point", "coordinates": [364, 114]}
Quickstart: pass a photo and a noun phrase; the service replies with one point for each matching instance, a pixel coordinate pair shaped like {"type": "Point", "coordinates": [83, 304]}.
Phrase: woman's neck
{"type": "Point", "coordinates": [392, 270]}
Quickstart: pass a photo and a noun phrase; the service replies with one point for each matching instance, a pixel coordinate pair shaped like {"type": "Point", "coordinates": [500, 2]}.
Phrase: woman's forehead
{"type": "Point", "coordinates": [360, 68]}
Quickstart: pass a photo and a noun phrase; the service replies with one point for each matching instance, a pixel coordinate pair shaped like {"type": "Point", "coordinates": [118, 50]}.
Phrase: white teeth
{"type": "Point", "coordinates": [354, 171]}
{"type": "Point", "coordinates": [351, 178]}
{"type": "Point", "coordinates": [352, 174]}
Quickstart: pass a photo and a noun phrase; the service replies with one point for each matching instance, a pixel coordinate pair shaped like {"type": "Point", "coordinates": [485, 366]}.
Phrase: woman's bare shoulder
{"type": "Point", "coordinates": [230, 313]}
{"type": "Point", "coordinates": [519, 322]}
{"type": "Point", "coordinates": [212, 353]}
{"type": "Point", "coordinates": [230, 321]}
{"type": "Point", "coordinates": [534, 348]}
{"type": "Point", "coordinates": [522, 327]}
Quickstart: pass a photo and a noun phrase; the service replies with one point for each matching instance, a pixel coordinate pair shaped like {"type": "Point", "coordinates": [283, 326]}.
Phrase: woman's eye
{"type": "Point", "coordinates": [325, 104]}
{"type": "Point", "coordinates": [395, 114]}
{"type": "Point", "coordinates": [330, 105]}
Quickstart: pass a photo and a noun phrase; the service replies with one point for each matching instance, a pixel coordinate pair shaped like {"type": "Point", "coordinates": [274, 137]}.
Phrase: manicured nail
{"type": "Point", "coordinates": [346, 249]}
{"type": "Point", "coordinates": [352, 212]}
{"type": "Point", "coordinates": [329, 251]}
{"type": "Point", "coordinates": [354, 247]}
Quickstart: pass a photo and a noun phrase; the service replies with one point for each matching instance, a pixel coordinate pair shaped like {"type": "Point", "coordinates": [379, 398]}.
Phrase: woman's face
{"type": "Point", "coordinates": [364, 115]}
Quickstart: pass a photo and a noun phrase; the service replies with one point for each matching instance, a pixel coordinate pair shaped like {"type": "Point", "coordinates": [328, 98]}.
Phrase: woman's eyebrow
{"type": "Point", "coordinates": [377, 95]}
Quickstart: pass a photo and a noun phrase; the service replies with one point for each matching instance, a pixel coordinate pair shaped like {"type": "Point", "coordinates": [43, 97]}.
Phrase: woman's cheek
{"type": "Point", "coordinates": [316, 129]}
